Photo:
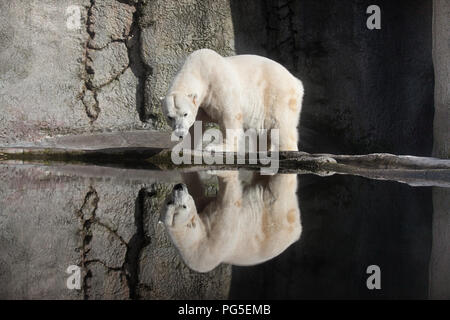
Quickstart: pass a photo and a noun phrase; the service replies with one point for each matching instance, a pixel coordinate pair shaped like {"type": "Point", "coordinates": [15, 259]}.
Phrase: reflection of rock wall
{"type": "Point", "coordinates": [440, 254]}
{"type": "Point", "coordinates": [163, 274]}
{"type": "Point", "coordinates": [349, 223]}
{"type": "Point", "coordinates": [107, 226]}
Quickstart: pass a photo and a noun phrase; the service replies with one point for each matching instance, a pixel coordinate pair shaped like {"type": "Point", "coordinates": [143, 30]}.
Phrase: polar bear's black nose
{"type": "Point", "coordinates": [178, 187]}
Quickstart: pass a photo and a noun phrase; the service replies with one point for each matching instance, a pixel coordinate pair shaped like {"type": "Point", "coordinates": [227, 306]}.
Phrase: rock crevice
{"type": "Point", "coordinates": [112, 59]}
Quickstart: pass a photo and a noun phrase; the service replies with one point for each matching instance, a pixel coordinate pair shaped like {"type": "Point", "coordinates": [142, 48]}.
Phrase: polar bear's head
{"type": "Point", "coordinates": [179, 210]}
{"type": "Point", "coordinates": [180, 111]}
{"type": "Point", "coordinates": [185, 228]}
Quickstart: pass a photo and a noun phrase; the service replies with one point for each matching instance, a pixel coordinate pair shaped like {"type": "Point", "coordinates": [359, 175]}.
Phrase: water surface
{"type": "Point", "coordinates": [283, 236]}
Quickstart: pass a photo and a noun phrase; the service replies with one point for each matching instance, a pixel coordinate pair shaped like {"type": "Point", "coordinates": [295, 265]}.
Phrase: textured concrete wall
{"type": "Point", "coordinates": [57, 80]}
{"type": "Point", "coordinates": [440, 258]}
{"type": "Point", "coordinates": [366, 90]}
{"type": "Point", "coordinates": [441, 59]}
{"type": "Point", "coordinates": [108, 224]}
{"type": "Point", "coordinates": [40, 75]}
{"type": "Point", "coordinates": [173, 29]}
{"type": "Point", "coordinates": [106, 75]}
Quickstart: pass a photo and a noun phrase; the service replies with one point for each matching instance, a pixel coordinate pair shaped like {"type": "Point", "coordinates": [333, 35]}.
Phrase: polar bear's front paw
{"type": "Point", "coordinates": [323, 173]}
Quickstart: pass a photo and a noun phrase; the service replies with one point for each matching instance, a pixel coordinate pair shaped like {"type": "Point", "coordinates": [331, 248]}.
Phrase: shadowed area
{"type": "Point", "coordinates": [365, 90]}
{"type": "Point", "coordinates": [349, 223]}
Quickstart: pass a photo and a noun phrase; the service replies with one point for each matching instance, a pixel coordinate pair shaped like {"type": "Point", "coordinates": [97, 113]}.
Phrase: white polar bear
{"type": "Point", "coordinates": [243, 225]}
{"type": "Point", "coordinates": [239, 92]}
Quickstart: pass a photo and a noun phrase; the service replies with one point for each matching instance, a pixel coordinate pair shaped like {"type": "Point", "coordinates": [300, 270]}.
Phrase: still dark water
{"type": "Point", "coordinates": [286, 236]}
{"type": "Point", "coordinates": [349, 223]}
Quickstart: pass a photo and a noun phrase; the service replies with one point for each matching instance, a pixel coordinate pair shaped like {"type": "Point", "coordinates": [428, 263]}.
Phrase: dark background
{"type": "Point", "coordinates": [365, 91]}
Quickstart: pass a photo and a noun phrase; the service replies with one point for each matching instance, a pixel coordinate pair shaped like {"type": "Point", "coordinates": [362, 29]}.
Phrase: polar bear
{"type": "Point", "coordinates": [243, 225]}
{"type": "Point", "coordinates": [239, 92]}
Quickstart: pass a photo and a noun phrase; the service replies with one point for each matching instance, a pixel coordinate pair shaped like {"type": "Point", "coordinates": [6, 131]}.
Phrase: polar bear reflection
{"type": "Point", "coordinates": [243, 225]}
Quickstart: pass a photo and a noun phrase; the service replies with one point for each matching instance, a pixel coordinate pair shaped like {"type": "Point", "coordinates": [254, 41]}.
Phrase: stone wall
{"type": "Point", "coordinates": [365, 90]}
{"type": "Point", "coordinates": [57, 79]}
{"type": "Point", "coordinates": [173, 29]}
{"type": "Point", "coordinates": [106, 75]}
{"type": "Point", "coordinates": [440, 258]}
{"type": "Point", "coordinates": [441, 59]}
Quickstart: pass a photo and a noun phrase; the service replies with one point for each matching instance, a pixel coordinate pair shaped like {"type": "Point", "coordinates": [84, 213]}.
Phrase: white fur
{"type": "Point", "coordinates": [244, 225]}
{"type": "Point", "coordinates": [238, 92]}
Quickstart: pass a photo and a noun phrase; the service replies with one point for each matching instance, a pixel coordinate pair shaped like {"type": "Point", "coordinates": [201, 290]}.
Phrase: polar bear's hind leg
{"type": "Point", "coordinates": [288, 119]}
{"type": "Point", "coordinates": [288, 138]}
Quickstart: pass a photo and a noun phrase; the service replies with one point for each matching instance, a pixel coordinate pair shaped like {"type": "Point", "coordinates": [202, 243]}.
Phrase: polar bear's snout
{"type": "Point", "coordinates": [180, 112]}
{"type": "Point", "coordinates": [180, 129]}
{"type": "Point", "coordinates": [180, 207]}
{"type": "Point", "coordinates": [179, 193]}
{"type": "Point", "coordinates": [179, 186]}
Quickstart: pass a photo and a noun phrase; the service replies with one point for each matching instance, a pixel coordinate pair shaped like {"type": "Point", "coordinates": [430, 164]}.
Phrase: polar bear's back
{"type": "Point", "coordinates": [258, 79]}
{"type": "Point", "coordinates": [268, 90]}
{"type": "Point", "coordinates": [261, 68]}
{"type": "Point", "coordinates": [244, 91]}
{"type": "Point", "coordinates": [270, 217]}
